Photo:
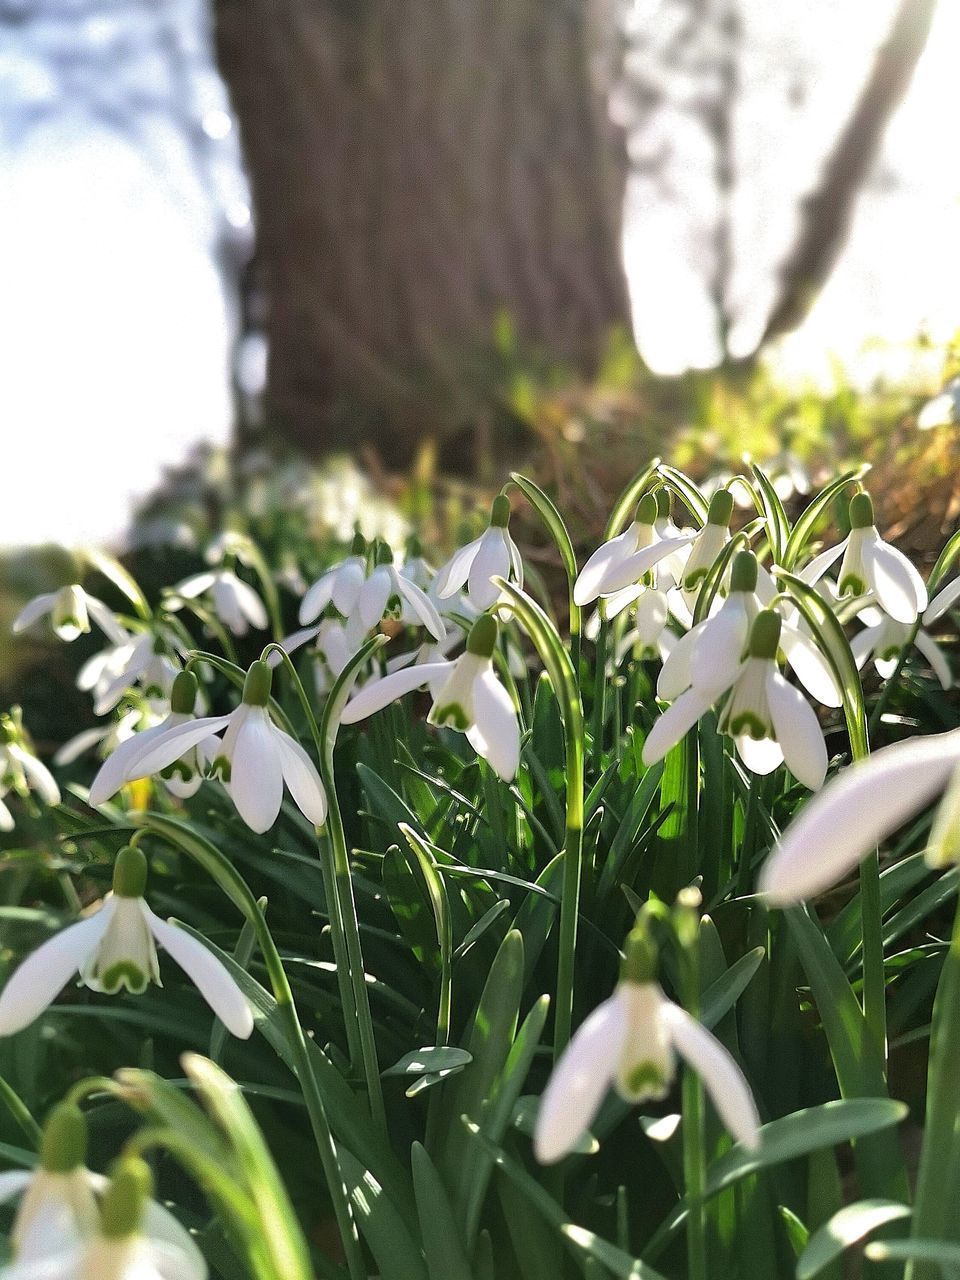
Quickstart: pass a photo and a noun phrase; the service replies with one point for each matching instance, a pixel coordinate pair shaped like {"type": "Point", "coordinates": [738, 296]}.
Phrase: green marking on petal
{"type": "Point", "coordinates": [645, 1080]}
{"type": "Point", "coordinates": [124, 974]}
{"type": "Point", "coordinates": [452, 715]}
{"type": "Point", "coordinates": [850, 584]}
{"type": "Point", "coordinates": [746, 722]}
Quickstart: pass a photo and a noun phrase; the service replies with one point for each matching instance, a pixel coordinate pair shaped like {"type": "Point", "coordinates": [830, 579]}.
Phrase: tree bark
{"type": "Point", "coordinates": [421, 168]}
{"type": "Point", "coordinates": [827, 212]}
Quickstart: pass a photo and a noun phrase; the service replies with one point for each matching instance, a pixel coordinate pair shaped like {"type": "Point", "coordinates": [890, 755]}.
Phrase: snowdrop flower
{"type": "Point", "coordinates": [254, 759]}
{"type": "Point", "coordinates": [184, 775]}
{"type": "Point", "coordinates": [860, 807]}
{"type": "Point", "coordinates": [631, 1042]}
{"type": "Point", "coordinates": [884, 639]}
{"type": "Point", "coordinates": [143, 661]}
{"type": "Point", "coordinates": [70, 610]}
{"type": "Point", "coordinates": [235, 603]}
{"type": "Point", "coordinates": [493, 555]}
{"type": "Point", "coordinates": [116, 947]}
{"type": "Point", "coordinates": [769, 720]}
{"type": "Point", "coordinates": [58, 1207]}
{"type": "Point", "coordinates": [124, 1244]}
{"type": "Point", "coordinates": [466, 695]}
{"type": "Point", "coordinates": [870, 565]}
{"type": "Point", "coordinates": [622, 561]}
{"type": "Point", "coordinates": [707, 545]}
{"type": "Point", "coordinates": [20, 770]}
{"type": "Point", "coordinates": [339, 586]}
{"type": "Point", "coordinates": [650, 635]}
{"type": "Point", "coordinates": [715, 647]}
{"type": "Point", "coordinates": [369, 596]}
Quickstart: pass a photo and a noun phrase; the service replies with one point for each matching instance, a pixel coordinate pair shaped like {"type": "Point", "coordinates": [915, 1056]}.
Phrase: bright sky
{"type": "Point", "coordinates": [114, 332]}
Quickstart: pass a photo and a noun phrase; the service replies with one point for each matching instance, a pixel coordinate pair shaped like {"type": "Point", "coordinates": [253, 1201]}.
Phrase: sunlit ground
{"type": "Point", "coordinates": [116, 337]}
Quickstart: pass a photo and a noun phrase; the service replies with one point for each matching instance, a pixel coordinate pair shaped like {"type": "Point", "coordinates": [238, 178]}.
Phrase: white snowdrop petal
{"type": "Point", "coordinates": [936, 657]}
{"type": "Point", "coordinates": [812, 573]}
{"type": "Point", "coordinates": [496, 732]}
{"type": "Point", "coordinates": [347, 582]}
{"type": "Point", "coordinates": [491, 561]}
{"type": "Point", "coordinates": [718, 652]}
{"type": "Point", "coordinates": [379, 693]}
{"type": "Point", "coordinates": [373, 597]}
{"type": "Point", "coordinates": [112, 774]}
{"type": "Point", "coordinates": [589, 583]}
{"type": "Point", "coordinates": [942, 601]}
{"type": "Point", "coordinates": [897, 585]}
{"type": "Point", "coordinates": [633, 567]}
{"type": "Point", "coordinates": [37, 774]}
{"type": "Point", "coordinates": [302, 779]}
{"type": "Point", "coordinates": [317, 598]}
{"type": "Point", "coordinates": [675, 675]}
{"type": "Point", "coordinates": [452, 576]}
{"type": "Point", "coordinates": [105, 620]}
{"type": "Point", "coordinates": [863, 644]}
{"type": "Point", "coordinates": [422, 606]}
{"type": "Point", "coordinates": [206, 972]}
{"type": "Point", "coordinates": [798, 732]}
{"type": "Point", "coordinates": [620, 600]}
{"type": "Point", "coordinates": [580, 1081]}
{"type": "Point", "coordinates": [160, 1225]}
{"type": "Point", "coordinates": [30, 612]}
{"type": "Point", "coordinates": [45, 972]}
{"type": "Point", "coordinates": [190, 588]}
{"type": "Point", "coordinates": [256, 773]}
{"type": "Point", "coordinates": [174, 743]}
{"type": "Point", "coordinates": [676, 721]}
{"type": "Point", "coordinates": [722, 1077]}
{"type": "Point", "coordinates": [252, 607]}
{"type": "Point", "coordinates": [854, 813]}
{"type": "Point", "coordinates": [760, 755]}
{"type": "Point", "coordinates": [810, 666]}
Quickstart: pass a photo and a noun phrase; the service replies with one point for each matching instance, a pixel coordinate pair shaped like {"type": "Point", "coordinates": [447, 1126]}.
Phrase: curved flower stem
{"type": "Point", "coordinates": [338, 882]}
{"type": "Point", "coordinates": [233, 884]}
{"type": "Point", "coordinates": [552, 518]}
{"type": "Point", "coordinates": [563, 678]}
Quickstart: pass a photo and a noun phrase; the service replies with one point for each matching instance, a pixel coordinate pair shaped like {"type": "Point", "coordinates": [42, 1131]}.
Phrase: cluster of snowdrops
{"type": "Point", "coordinates": [757, 637]}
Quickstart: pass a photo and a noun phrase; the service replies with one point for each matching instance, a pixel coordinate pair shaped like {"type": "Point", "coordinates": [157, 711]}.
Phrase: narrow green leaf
{"type": "Point", "coordinates": [439, 1232]}
{"type": "Point", "coordinates": [849, 1226]}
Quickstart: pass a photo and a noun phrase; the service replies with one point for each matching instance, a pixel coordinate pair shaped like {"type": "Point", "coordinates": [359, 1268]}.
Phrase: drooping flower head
{"type": "Point", "coordinates": [254, 758]}
{"type": "Point", "coordinates": [630, 1042]}
{"type": "Point", "coordinates": [629, 559]}
{"type": "Point", "coordinates": [70, 610]}
{"type": "Point", "coordinates": [235, 603]}
{"type": "Point", "coordinates": [769, 720]}
{"type": "Point", "coordinates": [115, 948]}
{"type": "Point", "coordinates": [493, 555]}
{"type": "Point", "coordinates": [707, 545]}
{"type": "Point", "coordinates": [466, 695]}
{"type": "Point", "coordinates": [20, 770]}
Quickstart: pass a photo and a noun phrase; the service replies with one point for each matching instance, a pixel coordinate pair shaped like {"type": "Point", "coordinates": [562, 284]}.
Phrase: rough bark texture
{"type": "Point", "coordinates": [419, 168]}
{"type": "Point", "coordinates": [827, 211]}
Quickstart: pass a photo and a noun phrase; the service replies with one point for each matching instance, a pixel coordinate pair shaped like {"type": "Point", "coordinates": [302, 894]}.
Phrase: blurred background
{"type": "Point", "coordinates": [450, 236]}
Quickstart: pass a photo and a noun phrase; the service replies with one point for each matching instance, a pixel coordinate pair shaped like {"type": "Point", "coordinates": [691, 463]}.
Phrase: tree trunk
{"type": "Point", "coordinates": [827, 212]}
{"type": "Point", "coordinates": [421, 168]}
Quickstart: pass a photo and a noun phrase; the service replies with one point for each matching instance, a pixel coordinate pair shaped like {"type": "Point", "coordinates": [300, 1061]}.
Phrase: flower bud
{"type": "Point", "coordinates": [130, 873]}
{"type": "Point", "coordinates": [482, 639]}
{"type": "Point", "coordinates": [183, 696]}
{"type": "Point", "coordinates": [256, 687]}
{"type": "Point", "coordinates": [765, 635]}
{"type": "Point", "coordinates": [743, 575]}
{"type": "Point", "coordinates": [500, 512]}
{"type": "Point", "coordinates": [721, 508]}
{"type": "Point", "coordinates": [861, 511]}
{"type": "Point", "coordinates": [121, 1210]}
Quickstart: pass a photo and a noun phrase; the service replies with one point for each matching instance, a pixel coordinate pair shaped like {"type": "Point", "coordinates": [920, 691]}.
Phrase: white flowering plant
{"type": "Point", "coordinates": [403, 918]}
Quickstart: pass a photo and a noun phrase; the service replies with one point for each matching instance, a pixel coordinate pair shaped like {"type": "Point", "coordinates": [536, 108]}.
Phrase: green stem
{"type": "Point", "coordinates": [563, 678]}
{"type": "Point", "coordinates": [694, 1135]}
{"type": "Point", "coordinates": [600, 691]}
{"type": "Point", "coordinates": [347, 920]}
{"type": "Point", "coordinates": [226, 875]}
{"type": "Point", "coordinates": [939, 1171]}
